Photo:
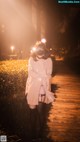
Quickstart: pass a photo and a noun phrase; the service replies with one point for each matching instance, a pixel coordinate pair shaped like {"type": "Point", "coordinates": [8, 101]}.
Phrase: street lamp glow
{"type": "Point", "coordinates": [12, 48]}
{"type": "Point", "coordinates": [50, 48]}
{"type": "Point", "coordinates": [43, 40]}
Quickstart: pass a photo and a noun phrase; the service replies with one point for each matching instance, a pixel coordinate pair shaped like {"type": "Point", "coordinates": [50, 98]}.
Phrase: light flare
{"type": "Point", "coordinates": [33, 49]}
{"type": "Point", "coordinates": [43, 40]}
{"type": "Point", "coordinates": [12, 48]}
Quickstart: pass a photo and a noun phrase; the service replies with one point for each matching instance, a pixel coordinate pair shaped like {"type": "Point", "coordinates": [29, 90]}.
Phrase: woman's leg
{"type": "Point", "coordinates": [40, 107]}
{"type": "Point", "coordinates": [40, 119]}
{"type": "Point", "coordinates": [32, 106]}
{"type": "Point", "coordinates": [32, 121]}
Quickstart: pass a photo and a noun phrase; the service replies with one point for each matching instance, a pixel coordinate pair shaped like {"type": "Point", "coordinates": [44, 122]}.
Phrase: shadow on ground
{"type": "Point", "coordinates": [15, 123]}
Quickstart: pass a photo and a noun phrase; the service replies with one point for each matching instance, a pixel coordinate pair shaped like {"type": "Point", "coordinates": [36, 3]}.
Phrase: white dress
{"type": "Point", "coordinates": [38, 81]}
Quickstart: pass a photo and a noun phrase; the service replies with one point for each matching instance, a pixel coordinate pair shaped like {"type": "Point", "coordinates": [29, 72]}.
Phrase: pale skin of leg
{"type": "Point", "coordinates": [34, 106]}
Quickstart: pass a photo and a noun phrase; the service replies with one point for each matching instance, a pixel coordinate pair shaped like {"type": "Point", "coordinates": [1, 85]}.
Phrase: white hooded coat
{"type": "Point", "coordinates": [39, 74]}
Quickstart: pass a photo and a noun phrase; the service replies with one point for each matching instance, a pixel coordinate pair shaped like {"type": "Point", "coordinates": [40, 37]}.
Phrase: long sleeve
{"type": "Point", "coordinates": [49, 66]}
{"type": "Point", "coordinates": [31, 71]}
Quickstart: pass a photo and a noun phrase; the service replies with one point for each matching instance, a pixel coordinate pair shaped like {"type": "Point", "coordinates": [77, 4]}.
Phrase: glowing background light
{"type": "Point", "coordinates": [33, 49]}
{"type": "Point", "coordinates": [43, 40]}
{"type": "Point", "coordinates": [12, 48]}
{"type": "Point", "coordinates": [15, 26]}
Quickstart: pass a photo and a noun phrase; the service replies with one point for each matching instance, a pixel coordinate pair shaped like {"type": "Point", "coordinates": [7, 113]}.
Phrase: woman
{"type": "Point", "coordinates": [38, 89]}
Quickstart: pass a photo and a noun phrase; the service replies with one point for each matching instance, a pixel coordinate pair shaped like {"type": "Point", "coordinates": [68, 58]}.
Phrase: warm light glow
{"type": "Point", "coordinates": [15, 24]}
{"type": "Point", "coordinates": [12, 48]}
{"type": "Point", "coordinates": [33, 49]}
{"type": "Point", "coordinates": [50, 48]}
{"type": "Point", "coordinates": [3, 26]}
{"type": "Point", "coordinates": [43, 40]}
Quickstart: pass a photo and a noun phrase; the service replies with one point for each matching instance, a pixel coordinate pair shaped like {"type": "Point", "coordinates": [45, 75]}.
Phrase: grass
{"type": "Point", "coordinates": [13, 75]}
